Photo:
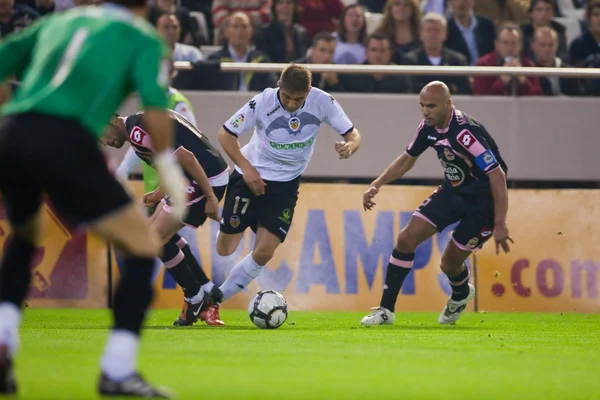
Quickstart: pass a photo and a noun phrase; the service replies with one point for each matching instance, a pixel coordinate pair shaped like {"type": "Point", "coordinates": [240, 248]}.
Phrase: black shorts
{"type": "Point", "coordinates": [274, 210]}
{"type": "Point", "coordinates": [196, 215]}
{"type": "Point", "coordinates": [40, 155]}
{"type": "Point", "coordinates": [476, 216]}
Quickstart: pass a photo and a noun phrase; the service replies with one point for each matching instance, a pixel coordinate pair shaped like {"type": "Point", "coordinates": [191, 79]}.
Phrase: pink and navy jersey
{"type": "Point", "coordinates": [465, 149]}
{"type": "Point", "coordinates": [186, 136]}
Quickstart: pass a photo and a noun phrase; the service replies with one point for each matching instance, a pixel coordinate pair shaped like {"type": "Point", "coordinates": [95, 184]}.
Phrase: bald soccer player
{"type": "Point", "coordinates": [474, 192]}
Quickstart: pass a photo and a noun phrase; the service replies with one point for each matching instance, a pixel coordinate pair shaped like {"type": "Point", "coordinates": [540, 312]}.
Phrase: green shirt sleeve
{"type": "Point", "coordinates": [16, 50]}
{"type": "Point", "coordinates": [151, 73]}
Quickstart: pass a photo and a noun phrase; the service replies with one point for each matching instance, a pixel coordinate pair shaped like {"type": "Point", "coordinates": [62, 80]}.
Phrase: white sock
{"type": "Point", "coordinates": [242, 274]}
{"type": "Point", "coordinates": [10, 319]}
{"type": "Point", "coordinates": [120, 355]}
{"type": "Point", "coordinates": [207, 287]}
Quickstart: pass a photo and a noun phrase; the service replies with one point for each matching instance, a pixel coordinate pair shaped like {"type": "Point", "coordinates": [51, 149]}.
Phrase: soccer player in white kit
{"type": "Point", "coordinates": [263, 189]}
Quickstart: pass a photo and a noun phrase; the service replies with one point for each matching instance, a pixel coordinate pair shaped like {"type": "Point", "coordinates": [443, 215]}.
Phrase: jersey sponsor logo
{"type": "Point", "coordinates": [137, 135]}
{"type": "Point", "coordinates": [449, 154]}
{"type": "Point", "coordinates": [454, 174]}
{"type": "Point", "coordinates": [432, 138]}
{"type": "Point", "coordinates": [285, 216]}
{"type": "Point", "coordinates": [292, 146]}
{"type": "Point", "coordinates": [466, 139]}
{"type": "Point", "coordinates": [486, 232]}
{"type": "Point", "coordinates": [237, 121]}
{"type": "Point", "coordinates": [273, 110]}
{"type": "Point", "coordinates": [294, 123]}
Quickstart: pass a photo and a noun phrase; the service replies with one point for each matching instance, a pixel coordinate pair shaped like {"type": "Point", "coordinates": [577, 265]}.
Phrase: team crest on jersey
{"type": "Point", "coordinates": [488, 158]}
{"type": "Point", "coordinates": [234, 221]}
{"type": "Point", "coordinates": [294, 123]}
{"type": "Point", "coordinates": [449, 154]}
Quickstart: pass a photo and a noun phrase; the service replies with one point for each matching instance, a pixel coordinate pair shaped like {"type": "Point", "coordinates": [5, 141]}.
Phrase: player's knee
{"type": "Point", "coordinates": [451, 265]}
{"type": "Point", "coordinates": [226, 245]}
{"type": "Point", "coordinates": [262, 255]}
{"type": "Point", "coordinates": [406, 243]}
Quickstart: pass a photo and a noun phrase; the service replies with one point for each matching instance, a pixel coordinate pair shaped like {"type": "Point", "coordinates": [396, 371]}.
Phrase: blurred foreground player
{"type": "Point", "coordinates": [263, 189]}
{"type": "Point", "coordinates": [474, 192]}
{"type": "Point", "coordinates": [48, 144]}
{"type": "Point", "coordinates": [207, 174]}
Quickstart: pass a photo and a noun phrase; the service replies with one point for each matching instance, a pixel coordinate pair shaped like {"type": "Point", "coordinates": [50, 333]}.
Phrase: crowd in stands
{"type": "Point", "coordinates": [546, 33]}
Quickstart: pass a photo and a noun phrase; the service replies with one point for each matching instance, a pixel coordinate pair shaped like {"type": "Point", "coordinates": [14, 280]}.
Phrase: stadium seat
{"type": "Point", "coordinates": [372, 20]}
{"type": "Point", "coordinates": [573, 27]}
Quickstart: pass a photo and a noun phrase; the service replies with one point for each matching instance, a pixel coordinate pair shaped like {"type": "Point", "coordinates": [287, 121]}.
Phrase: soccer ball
{"type": "Point", "coordinates": [268, 309]}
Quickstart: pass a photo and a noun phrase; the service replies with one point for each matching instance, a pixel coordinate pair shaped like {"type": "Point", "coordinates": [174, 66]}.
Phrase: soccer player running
{"type": "Point", "coordinates": [263, 189]}
{"type": "Point", "coordinates": [207, 174]}
{"type": "Point", "coordinates": [474, 192]}
{"type": "Point", "coordinates": [76, 68]}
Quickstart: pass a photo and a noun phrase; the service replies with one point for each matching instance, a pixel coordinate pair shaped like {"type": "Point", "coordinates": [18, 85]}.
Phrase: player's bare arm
{"type": "Point", "coordinates": [500, 195]}
{"type": "Point", "coordinates": [232, 148]}
{"type": "Point", "coordinates": [190, 164]}
{"type": "Point", "coordinates": [350, 144]}
{"type": "Point", "coordinates": [396, 170]}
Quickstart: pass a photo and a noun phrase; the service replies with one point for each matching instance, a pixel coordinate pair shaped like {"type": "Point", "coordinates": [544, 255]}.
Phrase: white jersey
{"type": "Point", "coordinates": [283, 142]}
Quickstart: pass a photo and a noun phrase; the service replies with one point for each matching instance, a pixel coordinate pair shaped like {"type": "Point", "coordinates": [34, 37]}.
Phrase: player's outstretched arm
{"type": "Point", "coordinates": [232, 148]}
{"type": "Point", "coordinates": [396, 170]}
{"type": "Point", "coordinates": [500, 195]}
{"type": "Point", "coordinates": [191, 165]}
{"type": "Point", "coordinates": [350, 144]}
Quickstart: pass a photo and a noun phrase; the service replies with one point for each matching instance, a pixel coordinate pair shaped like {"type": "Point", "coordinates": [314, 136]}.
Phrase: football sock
{"type": "Point", "coordinates": [398, 268]}
{"type": "Point", "coordinates": [133, 295]}
{"type": "Point", "coordinates": [15, 272]}
{"type": "Point", "coordinates": [460, 285]}
{"type": "Point", "coordinates": [120, 355]}
{"type": "Point", "coordinates": [176, 263]}
{"type": "Point", "coordinates": [240, 276]}
{"type": "Point", "coordinates": [191, 261]}
{"type": "Point", "coordinates": [10, 319]}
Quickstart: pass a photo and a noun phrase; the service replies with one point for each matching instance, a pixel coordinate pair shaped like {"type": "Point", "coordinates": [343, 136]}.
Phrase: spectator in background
{"type": "Point", "coordinates": [42, 7]}
{"type": "Point", "coordinates": [542, 12]}
{"type": "Point", "coordinates": [320, 15]}
{"type": "Point", "coordinates": [350, 47]}
{"type": "Point", "coordinates": [545, 47]}
{"type": "Point", "coordinates": [503, 11]}
{"type": "Point", "coordinates": [432, 52]}
{"type": "Point", "coordinates": [168, 26]}
{"type": "Point", "coordinates": [283, 39]}
{"type": "Point", "coordinates": [374, 6]}
{"type": "Point", "coordinates": [439, 7]}
{"type": "Point", "coordinates": [321, 52]}
{"type": "Point", "coordinates": [189, 30]}
{"type": "Point", "coordinates": [238, 33]}
{"type": "Point", "coordinates": [470, 34]}
{"type": "Point", "coordinates": [588, 43]}
{"type": "Point", "coordinates": [400, 22]}
{"type": "Point", "coordinates": [508, 54]}
{"type": "Point", "coordinates": [259, 12]}
{"type": "Point", "coordinates": [14, 17]}
{"type": "Point", "coordinates": [379, 52]}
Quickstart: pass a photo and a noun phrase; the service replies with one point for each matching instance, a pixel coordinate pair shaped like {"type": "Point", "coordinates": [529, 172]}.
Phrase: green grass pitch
{"type": "Point", "coordinates": [325, 356]}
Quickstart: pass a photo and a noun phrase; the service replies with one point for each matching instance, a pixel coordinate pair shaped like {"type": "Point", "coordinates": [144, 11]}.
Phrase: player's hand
{"type": "Point", "coordinates": [502, 238]}
{"type": "Point", "coordinates": [343, 149]}
{"type": "Point", "coordinates": [150, 199]}
{"type": "Point", "coordinates": [212, 208]}
{"type": "Point", "coordinates": [368, 198]}
{"type": "Point", "coordinates": [173, 182]}
{"type": "Point", "coordinates": [254, 181]}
